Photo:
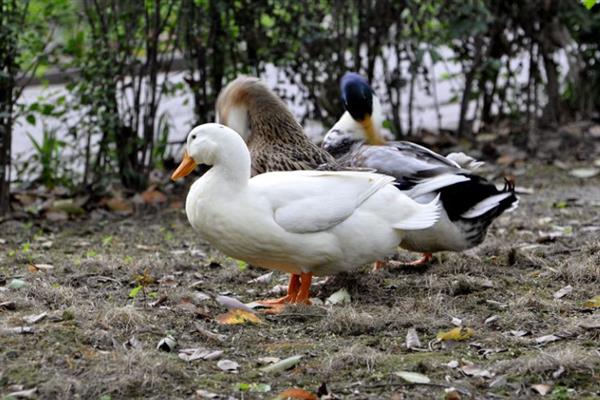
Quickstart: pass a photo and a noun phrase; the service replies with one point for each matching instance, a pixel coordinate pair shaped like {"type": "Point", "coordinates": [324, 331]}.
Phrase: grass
{"type": "Point", "coordinates": [81, 350]}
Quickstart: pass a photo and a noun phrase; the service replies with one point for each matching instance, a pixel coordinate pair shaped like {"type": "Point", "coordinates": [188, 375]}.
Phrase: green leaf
{"type": "Point", "coordinates": [242, 265]}
{"type": "Point", "coordinates": [91, 253]}
{"type": "Point", "coordinates": [589, 3]}
{"type": "Point", "coordinates": [107, 240]}
{"type": "Point", "coordinates": [387, 124]}
{"type": "Point", "coordinates": [267, 21]}
{"type": "Point", "coordinates": [134, 292]}
{"type": "Point", "coordinates": [30, 118]}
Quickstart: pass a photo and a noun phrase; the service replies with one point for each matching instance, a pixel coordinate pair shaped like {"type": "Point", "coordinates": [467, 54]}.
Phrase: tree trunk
{"type": "Point", "coordinates": [10, 13]}
{"type": "Point", "coordinates": [469, 80]}
{"type": "Point", "coordinates": [551, 113]}
{"type": "Point", "coordinates": [5, 150]}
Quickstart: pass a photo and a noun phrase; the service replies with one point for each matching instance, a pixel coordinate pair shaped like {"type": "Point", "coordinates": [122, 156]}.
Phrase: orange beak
{"type": "Point", "coordinates": [185, 168]}
{"type": "Point", "coordinates": [372, 137]}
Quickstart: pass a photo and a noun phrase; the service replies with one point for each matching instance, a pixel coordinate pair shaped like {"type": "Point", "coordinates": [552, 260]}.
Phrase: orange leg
{"type": "Point", "coordinates": [379, 265]}
{"type": "Point", "coordinates": [292, 292]}
{"type": "Point", "coordinates": [423, 260]}
{"type": "Point", "coordinates": [304, 292]}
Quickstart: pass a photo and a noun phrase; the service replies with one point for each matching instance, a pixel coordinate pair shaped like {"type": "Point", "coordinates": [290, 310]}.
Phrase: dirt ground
{"type": "Point", "coordinates": [98, 343]}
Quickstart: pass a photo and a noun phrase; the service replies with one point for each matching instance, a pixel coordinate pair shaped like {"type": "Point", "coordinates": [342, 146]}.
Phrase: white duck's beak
{"type": "Point", "coordinates": [185, 168]}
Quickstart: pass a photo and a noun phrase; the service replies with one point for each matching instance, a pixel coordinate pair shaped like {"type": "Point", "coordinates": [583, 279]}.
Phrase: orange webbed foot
{"type": "Point", "coordinates": [298, 293]}
{"type": "Point", "coordinates": [379, 265]}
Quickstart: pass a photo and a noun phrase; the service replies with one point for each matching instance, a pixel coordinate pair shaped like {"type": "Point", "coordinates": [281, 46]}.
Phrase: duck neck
{"type": "Point", "coordinates": [270, 119]}
{"type": "Point", "coordinates": [231, 172]}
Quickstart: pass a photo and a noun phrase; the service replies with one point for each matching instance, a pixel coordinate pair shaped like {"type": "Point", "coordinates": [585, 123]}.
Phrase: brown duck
{"type": "Point", "coordinates": [275, 139]}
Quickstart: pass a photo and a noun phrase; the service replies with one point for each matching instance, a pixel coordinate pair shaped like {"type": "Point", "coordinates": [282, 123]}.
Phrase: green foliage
{"type": "Point", "coordinates": [134, 292]}
{"type": "Point", "coordinates": [122, 49]}
{"type": "Point", "coordinates": [48, 157]}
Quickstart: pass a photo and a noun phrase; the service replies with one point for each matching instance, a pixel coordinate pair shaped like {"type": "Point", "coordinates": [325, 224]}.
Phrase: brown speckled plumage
{"type": "Point", "coordinates": [277, 141]}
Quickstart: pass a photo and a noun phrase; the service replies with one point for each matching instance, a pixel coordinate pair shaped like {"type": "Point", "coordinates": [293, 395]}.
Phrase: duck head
{"type": "Point", "coordinates": [362, 120]}
{"type": "Point", "coordinates": [211, 145]}
{"type": "Point", "coordinates": [358, 100]}
{"type": "Point", "coordinates": [232, 105]}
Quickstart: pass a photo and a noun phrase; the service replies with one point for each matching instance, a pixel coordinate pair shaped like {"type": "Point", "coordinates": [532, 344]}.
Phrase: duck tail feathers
{"type": "Point", "coordinates": [434, 184]}
{"type": "Point", "coordinates": [496, 204]}
{"type": "Point", "coordinates": [426, 215]}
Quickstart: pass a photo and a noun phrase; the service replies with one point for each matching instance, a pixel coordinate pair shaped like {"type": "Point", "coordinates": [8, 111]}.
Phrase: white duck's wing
{"type": "Point", "coordinates": [314, 201]}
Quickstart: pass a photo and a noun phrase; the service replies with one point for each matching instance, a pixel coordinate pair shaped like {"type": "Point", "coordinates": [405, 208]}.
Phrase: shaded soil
{"type": "Point", "coordinates": [82, 349]}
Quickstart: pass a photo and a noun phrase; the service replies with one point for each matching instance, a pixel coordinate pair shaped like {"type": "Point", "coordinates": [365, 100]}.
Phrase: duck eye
{"type": "Point", "coordinates": [193, 137]}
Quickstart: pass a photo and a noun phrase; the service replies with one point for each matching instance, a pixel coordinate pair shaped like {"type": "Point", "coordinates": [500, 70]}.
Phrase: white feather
{"type": "Point", "coordinates": [485, 205]}
{"type": "Point", "coordinates": [426, 216]}
{"type": "Point", "coordinates": [465, 161]}
{"type": "Point", "coordinates": [432, 184]}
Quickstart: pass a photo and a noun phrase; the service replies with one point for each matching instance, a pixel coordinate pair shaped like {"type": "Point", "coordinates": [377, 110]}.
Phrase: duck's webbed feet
{"type": "Point", "coordinates": [298, 293]}
{"type": "Point", "coordinates": [379, 265]}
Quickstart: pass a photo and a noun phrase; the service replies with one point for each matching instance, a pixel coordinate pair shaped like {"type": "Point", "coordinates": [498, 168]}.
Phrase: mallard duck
{"type": "Point", "coordinates": [470, 202]}
{"type": "Point", "coordinates": [301, 222]}
{"type": "Point", "coordinates": [275, 139]}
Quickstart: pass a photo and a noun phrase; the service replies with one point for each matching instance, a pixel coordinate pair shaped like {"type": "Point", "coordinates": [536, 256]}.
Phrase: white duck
{"type": "Point", "coordinates": [301, 222]}
{"type": "Point", "coordinates": [470, 202]}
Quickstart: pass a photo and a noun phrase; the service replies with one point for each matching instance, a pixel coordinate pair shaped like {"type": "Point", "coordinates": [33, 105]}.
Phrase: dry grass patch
{"type": "Point", "coordinates": [356, 356]}
{"type": "Point", "coordinates": [571, 357]}
{"type": "Point", "coordinates": [349, 321]}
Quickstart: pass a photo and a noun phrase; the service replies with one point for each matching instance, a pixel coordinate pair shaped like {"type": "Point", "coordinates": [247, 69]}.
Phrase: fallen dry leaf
{"type": "Point", "coordinates": [518, 333]}
{"type": "Point", "coordinates": [589, 323]}
{"type": "Point", "coordinates": [475, 371]}
{"type": "Point", "coordinates": [23, 394]}
{"type": "Point", "coordinates": [237, 316]}
{"type": "Point", "coordinates": [412, 339]}
{"type": "Point", "coordinates": [559, 294]}
{"type": "Point", "coordinates": [265, 278]}
{"type": "Point", "coordinates": [167, 343]}
{"type": "Point", "coordinates": [33, 319]}
{"type": "Point", "coordinates": [153, 196]}
{"type": "Point", "coordinates": [296, 393]}
{"type": "Point", "coordinates": [228, 365]}
{"type": "Point", "coordinates": [452, 394]}
{"type": "Point", "coordinates": [547, 339]}
{"type": "Point", "coordinates": [456, 334]}
{"type": "Point", "coordinates": [282, 365]}
{"type": "Point", "coordinates": [16, 284]}
{"type": "Point", "coordinates": [205, 394]}
{"type": "Point", "coordinates": [38, 267]}
{"type": "Point", "coordinates": [268, 360]}
{"type": "Point", "coordinates": [231, 303]}
{"type": "Point", "coordinates": [208, 334]}
{"type": "Point", "coordinates": [340, 297]}
{"type": "Point", "coordinates": [199, 353]}
{"type": "Point", "coordinates": [68, 206]}
{"type": "Point", "coordinates": [542, 388]}
{"type": "Point", "coordinates": [118, 204]}
{"type": "Point", "coordinates": [413, 377]}
{"type": "Point", "coordinates": [584, 173]}
{"type": "Point", "coordinates": [594, 302]}
{"type": "Point", "coordinates": [17, 330]}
